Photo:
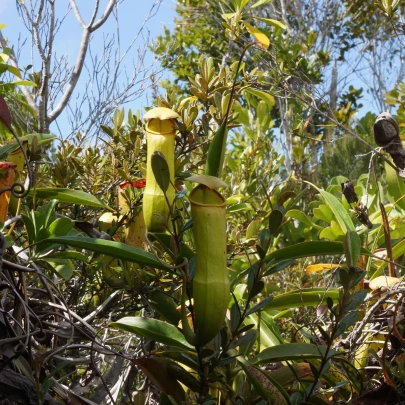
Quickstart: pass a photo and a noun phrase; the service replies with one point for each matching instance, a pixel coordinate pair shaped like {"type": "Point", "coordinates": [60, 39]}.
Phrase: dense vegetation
{"type": "Point", "coordinates": [240, 243]}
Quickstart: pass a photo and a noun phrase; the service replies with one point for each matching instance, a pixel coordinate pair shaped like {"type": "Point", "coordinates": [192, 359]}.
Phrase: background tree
{"type": "Point", "coordinates": [103, 76]}
{"type": "Point", "coordinates": [315, 69]}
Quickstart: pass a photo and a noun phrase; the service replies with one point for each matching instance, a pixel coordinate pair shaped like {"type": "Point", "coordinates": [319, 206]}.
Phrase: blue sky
{"type": "Point", "coordinates": [132, 15]}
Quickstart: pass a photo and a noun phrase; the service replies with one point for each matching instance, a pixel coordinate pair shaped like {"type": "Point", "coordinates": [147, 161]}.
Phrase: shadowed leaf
{"type": "Point", "coordinates": [160, 170]}
{"type": "Point", "coordinates": [157, 369]}
{"type": "Point", "coordinates": [110, 248]}
{"type": "Point", "coordinates": [5, 116]}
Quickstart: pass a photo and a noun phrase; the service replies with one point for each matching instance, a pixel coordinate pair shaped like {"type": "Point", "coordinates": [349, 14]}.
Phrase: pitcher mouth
{"type": "Point", "coordinates": [213, 198]}
{"type": "Point", "coordinates": [161, 127]}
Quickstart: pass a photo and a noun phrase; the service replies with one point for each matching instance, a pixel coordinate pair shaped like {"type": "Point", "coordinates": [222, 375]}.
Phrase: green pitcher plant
{"type": "Point", "coordinates": [211, 283]}
{"type": "Point", "coordinates": [160, 136]}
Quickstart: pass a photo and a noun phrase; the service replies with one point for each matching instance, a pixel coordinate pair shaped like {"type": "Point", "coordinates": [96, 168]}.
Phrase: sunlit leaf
{"type": "Point", "coordinates": [274, 23]}
{"type": "Point", "coordinates": [15, 71]}
{"type": "Point", "coordinates": [313, 268]}
{"type": "Point", "coordinates": [383, 281]}
{"type": "Point", "coordinates": [395, 186]}
{"type": "Point", "coordinates": [228, 16]}
{"type": "Point", "coordinates": [341, 215]}
{"type": "Point", "coordinates": [61, 226]}
{"type": "Point", "coordinates": [257, 34]}
{"type": "Point", "coordinates": [66, 195]}
{"type": "Point", "coordinates": [267, 337]}
{"type": "Point", "coordinates": [266, 97]}
{"type": "Point", "coordinates": [239, 207]}
{"type": "Point", "coordinates": [211, 182]}
{"type": "Point", "coordinates": [150, 328]}
{"type": "Point", "coordinates": [23, 83]}
{"type": "Point", "coordinates": [306, 297]}
{"type": "Point", "coordinates": [397, 251]}
{"type": "Point", "coordinates": [62, 267]}
{"type": "Point", "coordinates": [260, 3]}
{"type": "Point", "coordinates": [300, 216]}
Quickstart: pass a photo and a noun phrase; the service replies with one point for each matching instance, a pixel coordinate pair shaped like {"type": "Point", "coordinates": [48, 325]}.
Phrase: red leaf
{"type": "Point", "coordinates": [5, 116]}
{"type": "Point", "coordinates": [7, 165]}
{"type": "Point", "coordinates": [124, 184]}
{"type": "Point", "coordinates": [137, 184]}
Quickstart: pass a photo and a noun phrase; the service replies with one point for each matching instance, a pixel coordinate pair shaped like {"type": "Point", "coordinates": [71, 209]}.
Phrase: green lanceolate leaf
{"type": "Point", "coordinates": [165, 306]}
{"type": "Point", "coordinates": [352, 247]}
{"type": "Point", "coordinates": [260, 305]}
{"type": "Point", "coordinates": [216, 151]}
{"type": "Point", "coordinates": [260, 3]}
{"type": "Point", "coordinates": [68, 196]}
{"type": "Point", "coordinates": [41, 138]}
{"type": "Point", "coordinates": [60, 226]}
{"type": "Point", "coordinates": [7, 149]}
{"type": "Point", "coordinates": [160, 170]}
{"type": "Point", "coordinates": [267, 337]}
{"type": "Point", "coordinates": [304, 249]}
{"type": "Point", "coordinates": [300, 216]}
{"type": "Point", "coordinates": [341, 215]}
{"type": "Point", "coordinates": [293, 351]}
{"type": "Point", "coordinates": [274, 23]}
{"type": "Point", "coordinates": [275, 221]}
{"type": "Point", "coordinates": [266, 97]}
{"type": "Point", "coordinates": [159, 331]}
{"type": "Point", "coordinates": [345, 323]}
{"type": "Point", "coordinates": [110, 248]}
{"type": "Point", "coordinates": [62, 267]}
{"type": "Point", "coordinates": [306, 297]}
{"type": "Point", "coordinates": [184, 376]}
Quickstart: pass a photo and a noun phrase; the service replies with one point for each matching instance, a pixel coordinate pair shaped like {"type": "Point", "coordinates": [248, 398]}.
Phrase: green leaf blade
{"type": "Point", "coordinates": [154, 329]}
{"type": "Point", "coordinates": [293, 351]}
{"type": "Point", "coordinates": [306, 297]}
{"type": "Point", "coordinates": [305, 249]}
{"type": "Point", "coordinates": [352, 247]}
{"type": "Point", "coordinates": [110, 248]}
{"type": "Point", "coordinates": [68, 196]}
